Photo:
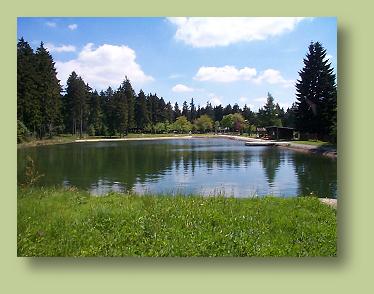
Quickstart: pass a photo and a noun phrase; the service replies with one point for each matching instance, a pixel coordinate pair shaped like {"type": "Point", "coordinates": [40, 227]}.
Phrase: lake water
{"type": "Point", "coordinates": [187, 166]}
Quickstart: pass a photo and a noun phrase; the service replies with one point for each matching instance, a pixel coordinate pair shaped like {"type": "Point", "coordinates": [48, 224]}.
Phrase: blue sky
{"type": "Point", "coordinates": [221, 60]}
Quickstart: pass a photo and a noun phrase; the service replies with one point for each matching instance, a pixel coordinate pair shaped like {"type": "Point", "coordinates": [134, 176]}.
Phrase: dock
{"type": "Point", "coordinates": [259, 143]}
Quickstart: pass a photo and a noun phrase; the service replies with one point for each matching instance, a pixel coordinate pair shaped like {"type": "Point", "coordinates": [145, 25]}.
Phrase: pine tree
{"type": "Point", "coordinates": [185, 111]}
{"type": "Point", "coordinates": [162, 111]}
{"type": "Point", "coordinates": [110, 117]}
{"type": "Point", "coordinates": [169, 113]}
{"type": "Point", "coordinates": [121, 112]}
{"type": "Point", "coordinates": [209, 110]}
{"type": "Point", "coordinates": [218, 113]}
{"type": "Point", "coordinates": [28, 103]}
{"type": "Point", "coordinates": [227, 110]}
{"type": "Point", "coordinates": [130, 97]}
{"type": "Point", "coordinates": [177, 112]}
{"type": "Point", "coordinates": [49, 92]}
{"type": "Point", "coordinates": [193, 113]}
{"type": "Point", "coordinates": [316, 93]}
{"type": "Point", "coordinates": [75, 104]}
{"type": "Point", "coordinates": [236, 108]}
{"type": "Point", "coordinates": [141, 111]}
{"type": "Point", "coordinates": [95, 120]}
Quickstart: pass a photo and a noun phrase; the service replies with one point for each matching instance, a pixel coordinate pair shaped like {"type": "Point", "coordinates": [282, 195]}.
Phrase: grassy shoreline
{"type": "Point", "coordinates": [68, 222]}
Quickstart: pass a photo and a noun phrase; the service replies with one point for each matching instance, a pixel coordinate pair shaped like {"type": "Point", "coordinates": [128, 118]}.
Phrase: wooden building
{"type": "Point", "coordinates": [280, 133]}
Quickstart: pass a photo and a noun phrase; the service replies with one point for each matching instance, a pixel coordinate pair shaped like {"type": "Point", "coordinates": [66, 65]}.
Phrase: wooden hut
{"type": "Point", "coordinates": [280, 133]}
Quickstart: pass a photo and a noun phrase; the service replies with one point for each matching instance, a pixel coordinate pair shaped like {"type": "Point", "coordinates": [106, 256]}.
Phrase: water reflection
{"type": "Point", "coordinates": [187, 166]}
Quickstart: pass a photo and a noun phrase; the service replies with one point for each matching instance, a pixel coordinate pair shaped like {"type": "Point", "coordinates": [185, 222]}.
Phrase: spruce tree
{"type": "Point", "coordinates": [218, 113]}
{"type": "Point", "coordinates": [185, 111]}
{"type": "Point", "coordinates": [28, 103]}
{"type": "Point", "coordinates": [109, 109]}
{"type": "Point", "coordinates": [76, 104]}
{"type": "Point", "coordinates": [141, 111]}
{"type": "Point", "coordinates": [316, 93]}
{"type": "Point", "coordinates": [130, 101]}
{"type": "Point", "coordinates": [177, 112]}
{"type": "Point", "coordinates": [95, 120]}
{"type": "Point", "coordinates": [193, 113]}
{"type": "Point", "coordinates": [49, 92]}
{"type": "Point", "coordinates": [121, 112]}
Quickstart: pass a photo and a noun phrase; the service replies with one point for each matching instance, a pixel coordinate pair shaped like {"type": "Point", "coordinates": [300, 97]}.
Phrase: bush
{"type": "Point", "coordinates": [22, 132]}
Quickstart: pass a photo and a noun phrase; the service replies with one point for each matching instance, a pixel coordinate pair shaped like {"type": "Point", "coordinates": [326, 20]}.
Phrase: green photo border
{"type": "Point", "coordinates": [350, 272]}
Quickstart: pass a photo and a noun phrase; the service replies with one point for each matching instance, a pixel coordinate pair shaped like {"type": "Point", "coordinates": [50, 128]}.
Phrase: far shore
{"type": "Point", "coordinates": [330, 152]}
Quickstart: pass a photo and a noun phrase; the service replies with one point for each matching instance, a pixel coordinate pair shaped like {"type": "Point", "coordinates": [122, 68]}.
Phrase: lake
{"type": "Point", "coordinates": [188, 166]}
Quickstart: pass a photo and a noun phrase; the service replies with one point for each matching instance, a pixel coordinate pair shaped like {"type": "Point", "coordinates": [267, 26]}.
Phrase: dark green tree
{"type": "Point", "coordinates": [227, 110]}
{"type": "Point", "coordinates": [75, 104]}
{"type": "Point", "coordinates": [209, 110]}
{"type": "Point", "coordinates": [316, 93]}
{"type": "Point", "coordinates": [236, 108]}
{"type": "Point", "coordinates": [49, 92]}
{"type": "Point", "coordinates": [141, 111]}
{"type": "Point", "coordinates": [177, 112]}
{"type": "Point", "coordinates": [218, 113]}
{"type": "Point", "coordinates": [169, 113]}
{"type": "Point", "coordinates": [185, 111]}
{"type": "Point", "coordinates": [121, 112]}
{"type": "Point", "coordinates": [193, 112]}
{"type": "Point", "coordinates": [267, 116]}
{"type": "Point", "coordinates": [95, 120]}
{"type": "Point", "coordinates": [130, 104]}
{"type": "Point", "coordinates": [28, 103]}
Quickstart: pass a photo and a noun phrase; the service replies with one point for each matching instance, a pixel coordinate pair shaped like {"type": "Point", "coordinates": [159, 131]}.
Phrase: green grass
{"type": "Point", "coordinates": [61, 139]}
{"type": "Point", "coordinates": [58, 222]}
{"type": "Point", "coordinates": [316, 143]}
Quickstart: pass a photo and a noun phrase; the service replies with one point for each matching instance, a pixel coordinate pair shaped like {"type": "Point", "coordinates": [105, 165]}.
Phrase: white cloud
{"type": "Point", "coordinates": [51, 24]}
{"type": "Point", "coordinates": [260, 99]}
{"type": "Point", "coordinates": [225, 74]}
{"type": "Point", "coordinates": [73, 26]}
{"type": "Point", "coordinates": [106, 65]}
{"type": "Point", "coordinates": [214, 99]}
{"type": "Point", "coordinates": [243, 99]}
{"type": "Point", "coordinates": [63, 48]}
{"type": "Point", "coordinates": [223, 31]}
{"type": "Point", "coordinates": [272, 76]}
{"type": "Point", "coordinates": [181, 88]}
{"type": "Point", "coordinates": [229, 73]}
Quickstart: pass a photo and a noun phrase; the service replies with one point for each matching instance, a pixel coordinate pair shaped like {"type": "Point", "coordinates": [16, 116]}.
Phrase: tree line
{"type": "Point", "coordinates": [45, 109]}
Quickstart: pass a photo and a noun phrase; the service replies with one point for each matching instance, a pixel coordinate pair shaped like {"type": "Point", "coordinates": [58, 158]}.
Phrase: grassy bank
{"type": "Point", "coordinates": [58, 222]}
{"type": "Point", "coordinates": [62, 139]}
{"type": "Point", "coordinates": [316, 143]}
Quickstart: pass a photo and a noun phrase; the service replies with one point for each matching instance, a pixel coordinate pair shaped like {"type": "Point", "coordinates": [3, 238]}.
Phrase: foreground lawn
{"type": "Point", "coordinates": [58, 222]}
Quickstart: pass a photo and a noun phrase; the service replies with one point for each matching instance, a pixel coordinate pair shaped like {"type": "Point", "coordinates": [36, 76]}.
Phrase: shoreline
{"type": "Point", "coordinates": [329, 152]}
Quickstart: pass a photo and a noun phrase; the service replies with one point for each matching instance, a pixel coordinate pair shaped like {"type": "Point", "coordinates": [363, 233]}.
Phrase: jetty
{"type": "Point", "coordinates": [251, 143]}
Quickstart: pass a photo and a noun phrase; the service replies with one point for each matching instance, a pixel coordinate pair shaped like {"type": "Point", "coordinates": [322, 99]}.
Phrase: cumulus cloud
{"type": "Point", "coordinates": [228, 74]}
{"type": "Point", "coordinates": [223, 31]}
{"type": "Point", "coordinates": [73, 26]}
{"type": "Point", "coordinates": [181, 88]}
{"type": "Point", "coordinates": [63, 48]}
{"type": "Point", "coordinates": [272, 76]}
{"type": "Point", "coordinates": [51, 24]}
{"type": "Point", "coordinates": [214, 99]}
{"type": "Point", "coordinates": [225, 74]}
{"type": "Point", "coordinates": [106, 65]}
